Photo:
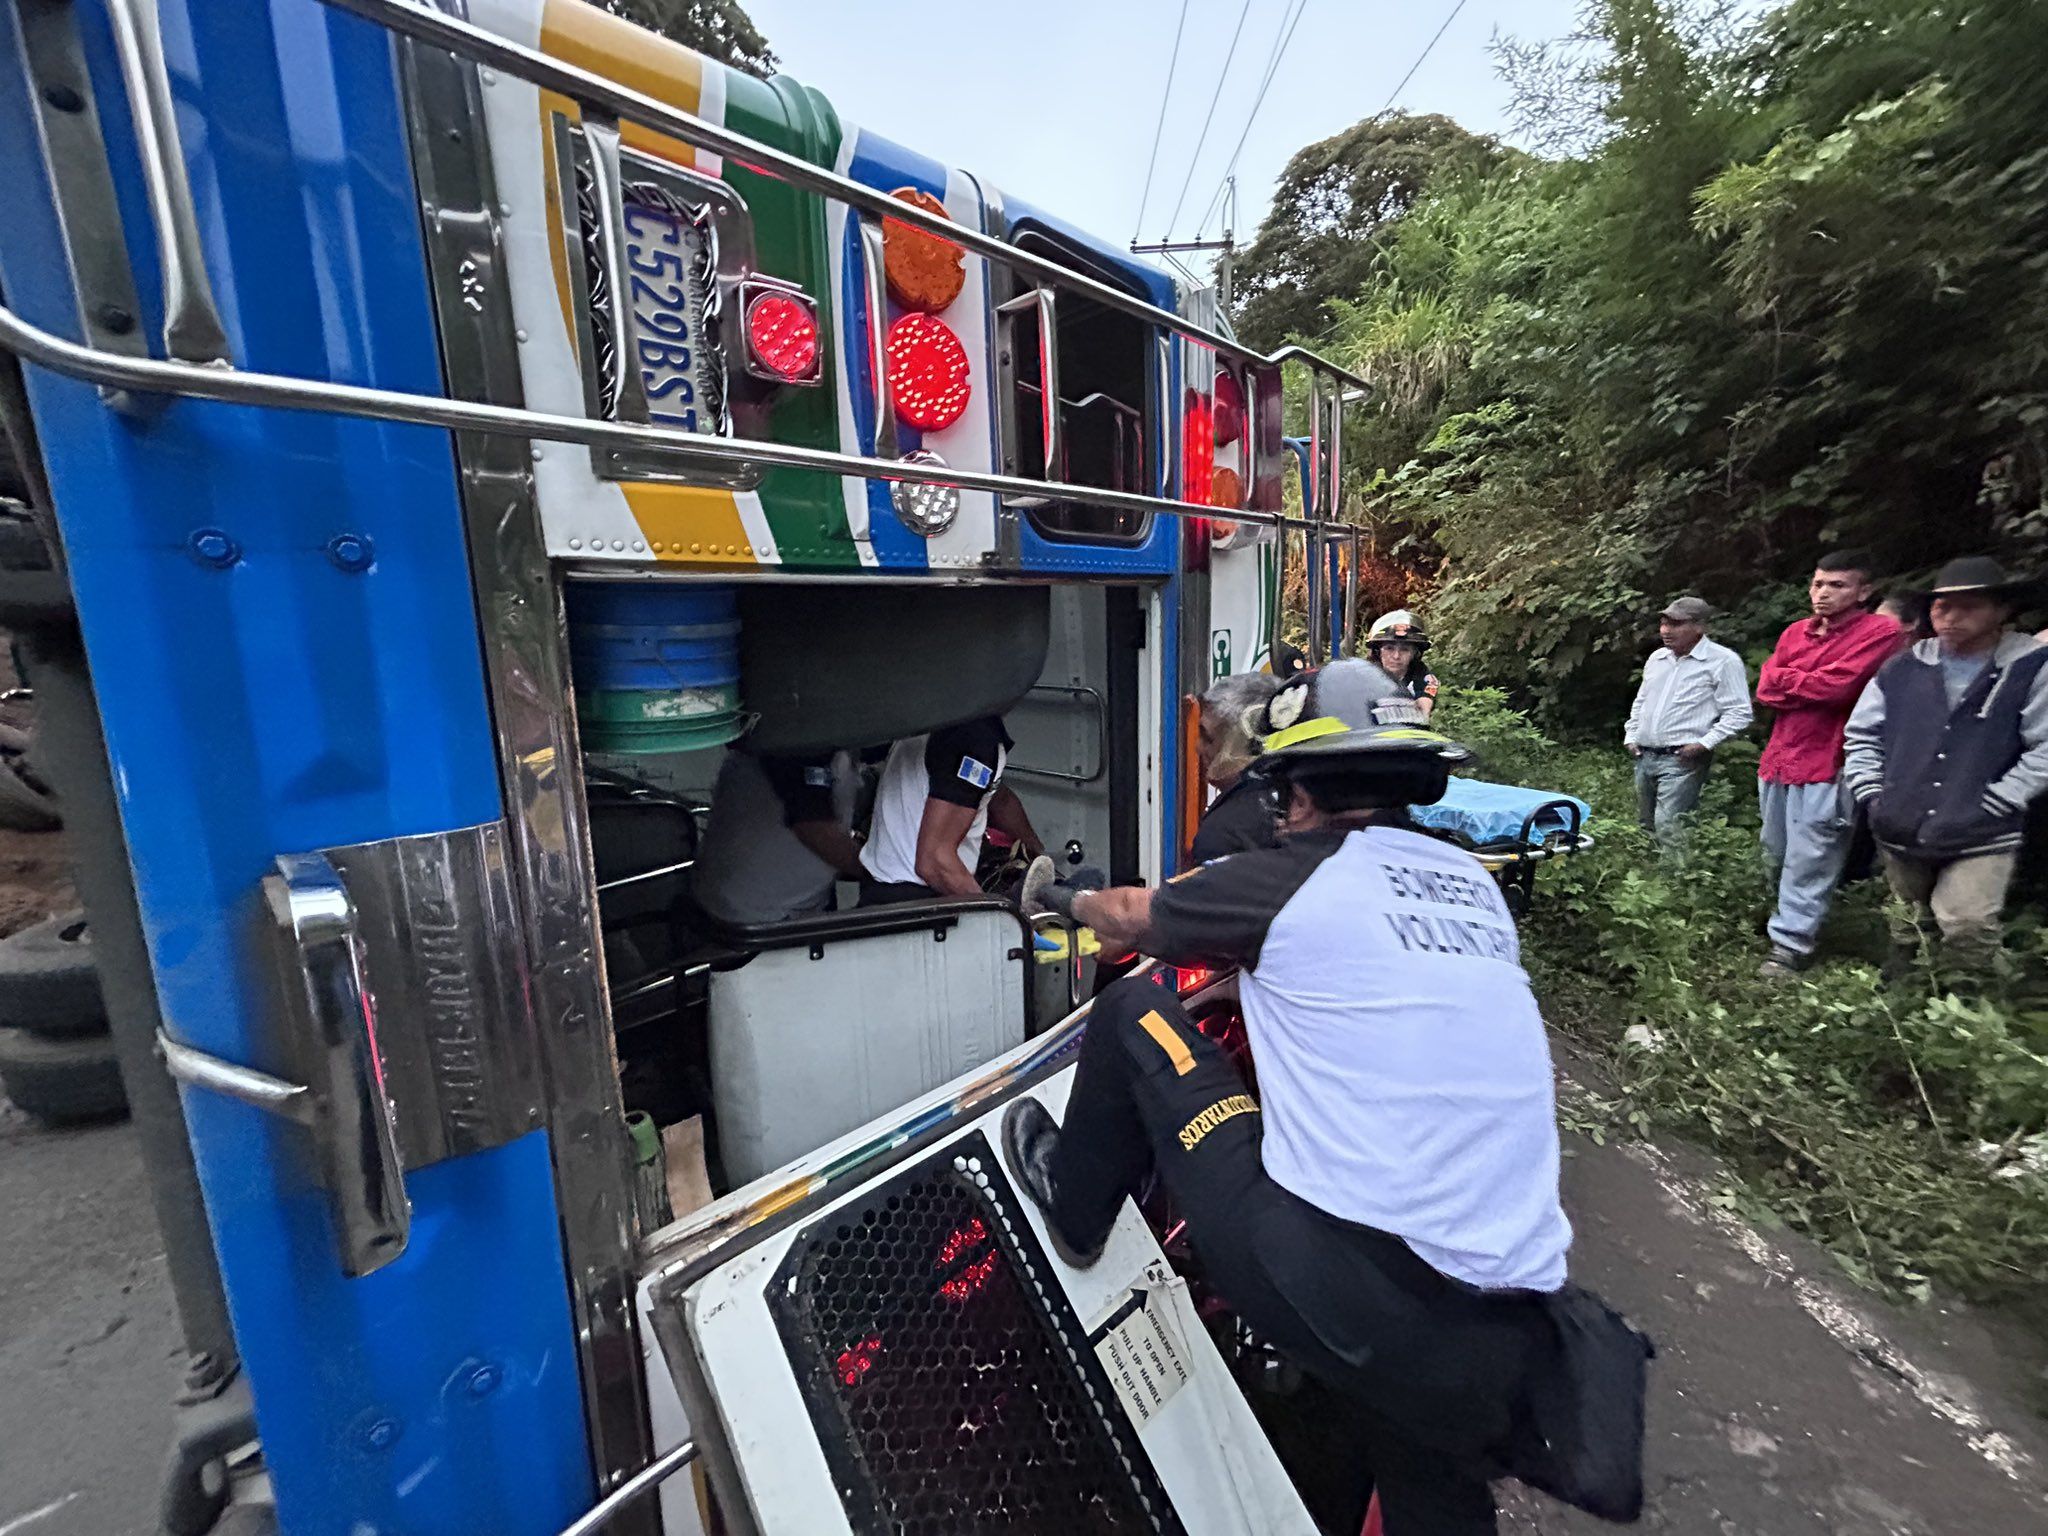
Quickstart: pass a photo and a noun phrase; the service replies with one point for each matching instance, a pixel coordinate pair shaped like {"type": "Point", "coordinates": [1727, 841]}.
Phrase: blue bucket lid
{"type": "Point", "coordinates": [651, 602]}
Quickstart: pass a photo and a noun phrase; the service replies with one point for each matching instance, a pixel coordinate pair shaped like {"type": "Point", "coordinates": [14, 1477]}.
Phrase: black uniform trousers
{"type": "Point", "coordinates": [1429, 1372]}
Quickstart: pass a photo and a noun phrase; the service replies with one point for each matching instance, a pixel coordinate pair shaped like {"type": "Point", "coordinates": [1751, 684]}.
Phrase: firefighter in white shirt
{"type": "Point", "coordinates": [1694, 696]}
{"type": "Point", "coordinates": [1385, 1212]}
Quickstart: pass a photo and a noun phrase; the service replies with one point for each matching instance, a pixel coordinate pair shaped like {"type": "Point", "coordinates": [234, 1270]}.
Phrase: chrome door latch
{"type": "Point", "coordinates": [343, 1103]}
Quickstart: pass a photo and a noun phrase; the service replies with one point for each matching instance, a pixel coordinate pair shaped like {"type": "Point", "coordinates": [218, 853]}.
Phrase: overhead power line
{"type": "Point", "coordinates": [1284, 37]}
{"type": "Point", "coordinates": [1421, 58]}
{"type": "Point", "coordinates": [1159, 128]}
{"type": "Point", "coordinates": [1216, 96]}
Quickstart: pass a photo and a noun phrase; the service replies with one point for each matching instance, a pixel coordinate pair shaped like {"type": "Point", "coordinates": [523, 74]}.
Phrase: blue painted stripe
{"type": "Point", "coordinates": [885, 166]}
{"type": "Point", "coordinates": [1159, 553]}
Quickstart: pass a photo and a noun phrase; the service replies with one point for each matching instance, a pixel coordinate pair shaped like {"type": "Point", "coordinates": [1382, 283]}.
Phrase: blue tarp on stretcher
{"type": "Point", "coordinates": [1496, 813]}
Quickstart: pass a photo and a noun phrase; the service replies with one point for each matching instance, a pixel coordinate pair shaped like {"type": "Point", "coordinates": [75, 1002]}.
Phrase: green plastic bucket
{"type": "Point", "coordinates": [658, 706]}
{"type": "Point", "coordinates": [612, 725]}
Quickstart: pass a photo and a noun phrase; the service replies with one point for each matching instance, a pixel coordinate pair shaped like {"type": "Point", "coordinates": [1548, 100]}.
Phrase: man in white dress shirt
{"type": "Point", "coordinates": [1695, 695]}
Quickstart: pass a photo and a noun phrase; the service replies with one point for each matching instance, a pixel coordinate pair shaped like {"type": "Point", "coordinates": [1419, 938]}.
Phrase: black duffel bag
{"type": "Point", "coordinates": [1580, 1435]}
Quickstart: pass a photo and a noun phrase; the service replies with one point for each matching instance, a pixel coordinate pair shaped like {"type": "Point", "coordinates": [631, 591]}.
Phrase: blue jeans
{"type": "Point", "coordinates": [1666, 791]}
{"type": "Point", "coordinates": [1807, 830]}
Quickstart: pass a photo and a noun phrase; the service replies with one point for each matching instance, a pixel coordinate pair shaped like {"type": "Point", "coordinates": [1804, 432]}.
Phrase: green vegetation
{"type": "Point", "coordinates": [1903, 1126]}
{"type": "Point", "coordinates": [1789, 288]}
{"type": "Point", "coordinates": [718, 29]}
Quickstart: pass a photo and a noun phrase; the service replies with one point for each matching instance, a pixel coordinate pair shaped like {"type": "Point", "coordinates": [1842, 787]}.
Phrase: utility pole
{"type": "Point", "coordinates": [1226, 247]}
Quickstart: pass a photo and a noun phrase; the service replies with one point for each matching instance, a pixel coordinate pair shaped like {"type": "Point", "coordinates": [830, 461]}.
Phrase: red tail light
{"type": "Point", "coordinates": [928, 372]}
{"type": "Point", "coordinates": [1198, 449]}
{"type": "Point", "coordinates": [1229, 410]}
{"type": "Point", "coordinates": [782, 334]}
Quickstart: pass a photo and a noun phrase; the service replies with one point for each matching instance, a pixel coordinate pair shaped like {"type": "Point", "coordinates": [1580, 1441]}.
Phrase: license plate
{"type": "Point", "coordinates": [665, 271]}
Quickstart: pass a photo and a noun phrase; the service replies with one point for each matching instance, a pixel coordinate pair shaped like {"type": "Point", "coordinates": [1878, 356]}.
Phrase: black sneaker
{"type": "Point", "coordinates": [1783, 963]}
{"type": "Point", "coordinates": [1029, 1136]}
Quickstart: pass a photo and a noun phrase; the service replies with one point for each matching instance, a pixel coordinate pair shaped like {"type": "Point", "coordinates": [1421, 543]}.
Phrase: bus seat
{"type": "Point", "coordinates": [824, 1023]}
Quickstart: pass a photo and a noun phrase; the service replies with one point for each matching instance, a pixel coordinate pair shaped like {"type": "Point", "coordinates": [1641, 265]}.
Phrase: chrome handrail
{"type": "Point", "coordinates": [192, 327]}
{"type": "Point", "coordinates": [689, 450]}
{"type": "Point", "coordinates": [656, 1472]}
{"type": "Point", "coordinates": [594, 90]}
{"type": "Point", "coordinates": [1101, 709]}
{"type": "Point", "coordinates": [202, 1069]}
{"type": "Point", "coordinates": [608, 184]}
{"type": "Point", "coordinates": [207, 375]}
{"type": "Point", "coordinates": [1042, 303]}
{"type": "Point", "coordinates": [874, 278]}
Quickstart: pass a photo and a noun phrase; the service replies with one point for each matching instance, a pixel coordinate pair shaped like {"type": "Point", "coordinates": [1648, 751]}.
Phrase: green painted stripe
{"type": "Point", "coordinates": [806, 511]}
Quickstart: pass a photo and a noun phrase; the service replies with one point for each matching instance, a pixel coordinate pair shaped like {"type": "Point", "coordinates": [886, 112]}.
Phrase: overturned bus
{"type": "Point", "coordinates": [382, 370]}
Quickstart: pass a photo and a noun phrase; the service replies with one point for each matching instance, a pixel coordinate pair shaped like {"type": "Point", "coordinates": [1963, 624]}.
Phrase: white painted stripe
{"type": "Point", "coordinates": [1843, 1323]}
{"type": "Point", "coordinates": [853, 493]}
{"type": "Point", "coordinates": [711, 107]}
{"type": "Point", "coordinates": [970, 442]}
{"type": "Point", "coordinates": [23, 1522]}
{"type": "Point", "coordinates": [574, 503]}
{"type": "Point", "coordinates": [582, 514]}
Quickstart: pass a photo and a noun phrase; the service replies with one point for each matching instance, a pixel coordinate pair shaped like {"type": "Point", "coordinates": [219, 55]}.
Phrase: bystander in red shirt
{"type": "Point", "coordinates": [1812, 681]}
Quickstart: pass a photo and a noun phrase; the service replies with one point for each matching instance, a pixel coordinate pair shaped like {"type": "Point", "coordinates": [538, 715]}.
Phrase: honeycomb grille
{"type": "Point", "coordinates": [952, 1390]}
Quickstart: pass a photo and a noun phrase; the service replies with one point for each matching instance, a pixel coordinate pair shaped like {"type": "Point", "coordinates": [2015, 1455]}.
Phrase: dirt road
{"type": "Point", "coordinates": [88, 1340]}
{"type": "Point", "coordinates": [1784, 1401]}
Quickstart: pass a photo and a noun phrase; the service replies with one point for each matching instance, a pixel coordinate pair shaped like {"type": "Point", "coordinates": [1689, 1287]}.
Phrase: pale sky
{"type": "Point", "coordinates": [1055, 101]}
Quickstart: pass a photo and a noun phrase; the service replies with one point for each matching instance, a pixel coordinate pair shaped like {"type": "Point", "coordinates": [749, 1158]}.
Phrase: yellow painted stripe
{"type": "Point", "coordinates": [640, 61]}
{"type": "Point", "coordinates": [697, 525]}
{"type": "Point", "coordinates": [780, 1199]}
{"type": "Point", "coordinates": [689, 525]}
{"type": "Point", "coordinates": [1164, 1036]}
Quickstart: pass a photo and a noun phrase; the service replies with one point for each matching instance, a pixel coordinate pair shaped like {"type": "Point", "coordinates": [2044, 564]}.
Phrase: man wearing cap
{"type": "Point", "coordinates": [1385, 1212]}
{"type": "Point", "coordinates": [1694, 696]}
{"type": "Point", "coordinates": [1813, 679]}
{"type": "Point", "coordinates": [1948, 746]}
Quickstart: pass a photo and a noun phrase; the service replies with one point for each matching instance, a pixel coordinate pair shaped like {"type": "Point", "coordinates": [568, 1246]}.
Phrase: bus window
{"type": "Point", "coordinates": [1105, 416]}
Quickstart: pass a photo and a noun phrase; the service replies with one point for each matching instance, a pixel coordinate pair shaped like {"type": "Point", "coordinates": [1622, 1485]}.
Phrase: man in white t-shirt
{"type": "Point", "coordinates": [780, 834]}
{"type": "Point", "coordinates": [937, 796]}
{"type": "Point", "coordinates": [1384, 1207]}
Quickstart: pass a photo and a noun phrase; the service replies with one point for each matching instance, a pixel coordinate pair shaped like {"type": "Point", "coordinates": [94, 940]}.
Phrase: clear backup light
{"type": "Point", "coordinates": [923, 507]}
{"type": "Point", "coordinates": [782, 332]}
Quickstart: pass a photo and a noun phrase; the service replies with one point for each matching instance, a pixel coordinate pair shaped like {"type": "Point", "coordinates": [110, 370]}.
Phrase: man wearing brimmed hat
{"type": "Point", "coordinates": [1947, 747]}
{"type": "Point", "coordinates": [1386, 1210]}
{"type": "Point", "coordinates": [1694, 696]}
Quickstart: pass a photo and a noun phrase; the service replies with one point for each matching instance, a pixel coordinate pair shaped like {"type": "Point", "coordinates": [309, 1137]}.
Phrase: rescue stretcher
{"type": "Point", "coordinates": [1509, 829]}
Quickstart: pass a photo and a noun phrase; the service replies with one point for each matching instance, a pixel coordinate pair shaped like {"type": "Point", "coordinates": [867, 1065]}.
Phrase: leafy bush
{"type": "Point", "coordinates": [1788, 292]}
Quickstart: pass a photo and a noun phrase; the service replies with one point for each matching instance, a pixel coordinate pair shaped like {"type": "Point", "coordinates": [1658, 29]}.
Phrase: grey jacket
{"type": "Point", "coordinates": [1988, 787]}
